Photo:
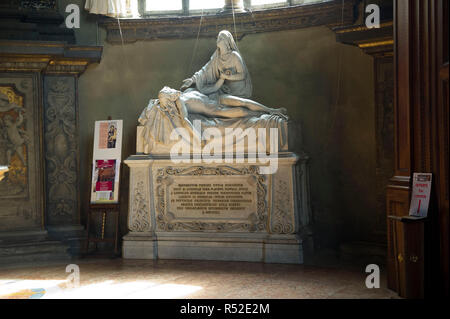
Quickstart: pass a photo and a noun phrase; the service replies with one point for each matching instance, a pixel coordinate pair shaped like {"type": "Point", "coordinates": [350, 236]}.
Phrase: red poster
{"type": "Point", "coordinates": [106, 174]}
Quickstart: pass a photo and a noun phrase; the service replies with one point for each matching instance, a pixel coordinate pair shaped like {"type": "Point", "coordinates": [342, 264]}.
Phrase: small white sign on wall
{"type": "Point", "coordinates": [106, 161]}
{"type": "Point", "coordinates": [420, 198]}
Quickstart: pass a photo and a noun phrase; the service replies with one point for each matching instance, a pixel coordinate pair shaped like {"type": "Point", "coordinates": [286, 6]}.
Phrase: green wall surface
{"type": "Point", "coordinates": [326, 87]}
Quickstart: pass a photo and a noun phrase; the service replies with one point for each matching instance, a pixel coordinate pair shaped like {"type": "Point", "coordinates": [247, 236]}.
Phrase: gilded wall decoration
{"type": "Point", "coordinates": [13, 143]}
{"type": "Point", "coordinates": [61, 146]}
{"type": "Point", "coordinates": [21, 184]}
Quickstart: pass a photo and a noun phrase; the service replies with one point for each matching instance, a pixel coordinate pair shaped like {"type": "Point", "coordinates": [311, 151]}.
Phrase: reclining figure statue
{"type": "Point", "coordinates": [220, 100]}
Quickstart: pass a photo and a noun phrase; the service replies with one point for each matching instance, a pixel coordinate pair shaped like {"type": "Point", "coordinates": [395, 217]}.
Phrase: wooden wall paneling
{"type": "Point", "coordinates": [421, 124]}
{"type": "Point", "coordinates": [398, 190]}
{"type": "Point", "coordinates": [413, 258]}
{"type": "Point", "coordinates": [402, 98]}
{"type": "Point", "coordinates": [397, 203]}
{"type": "Point", "coordinates": [442, 140]}
{"type": "Point", "coordinates": [443, 179]}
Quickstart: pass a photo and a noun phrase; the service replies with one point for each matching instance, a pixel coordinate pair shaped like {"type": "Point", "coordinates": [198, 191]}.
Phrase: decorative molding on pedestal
{"type": "Point", "coordinates": [282, 222]}
{"type": "Point", "coordinates": [139, 219]}
{"type": "Point", "coordinates": [330, 13]}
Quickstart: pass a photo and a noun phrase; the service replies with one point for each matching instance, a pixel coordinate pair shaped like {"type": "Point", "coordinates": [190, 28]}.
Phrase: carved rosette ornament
{"type": "Point", "coordinates": [282, 219]}
{"type": "Point", "coordinates": [139, 219]}
{"type": "Point", "coordinates": [257, 222]}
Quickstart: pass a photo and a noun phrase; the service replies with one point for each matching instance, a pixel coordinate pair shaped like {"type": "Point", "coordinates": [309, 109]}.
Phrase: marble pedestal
{"type": "Point", "coordinates": [217, 211]}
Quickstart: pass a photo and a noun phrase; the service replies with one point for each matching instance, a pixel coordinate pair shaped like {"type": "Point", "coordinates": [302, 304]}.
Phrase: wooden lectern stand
{"type": "Point", "coordinates": [105, 210]}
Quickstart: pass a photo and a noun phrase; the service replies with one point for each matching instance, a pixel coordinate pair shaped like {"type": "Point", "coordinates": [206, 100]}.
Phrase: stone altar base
{"type": "Point", "coordinates": [226, 247]}
{"type": "Point", "coordinates": [217, 211]}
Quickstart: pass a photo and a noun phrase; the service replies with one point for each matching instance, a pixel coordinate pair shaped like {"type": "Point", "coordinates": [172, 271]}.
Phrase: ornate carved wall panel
{"type": "Point", "coordinates": [45, 74]}
{"type": "Point", "coordinates": [21, 185]}
{"type": "Point", "coordinates": [41, 76]}
{"type": "Point", "coordinates": [61, 149]}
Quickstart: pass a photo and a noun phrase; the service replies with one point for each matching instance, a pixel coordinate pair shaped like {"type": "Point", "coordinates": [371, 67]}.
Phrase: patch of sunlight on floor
{"type": "Point", "coordinates": [28, 289]}
{"type": "Point", "coordinates": [56, 289]}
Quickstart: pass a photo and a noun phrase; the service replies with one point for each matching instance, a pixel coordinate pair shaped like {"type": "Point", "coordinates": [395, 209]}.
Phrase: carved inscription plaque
{"type": "Point", "coordinates": [210, 197]}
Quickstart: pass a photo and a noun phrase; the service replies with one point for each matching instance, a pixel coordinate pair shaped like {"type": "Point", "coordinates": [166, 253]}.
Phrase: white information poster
{"type": "Point", "coordinates": [107, 156]}
{"type": "Point", "coordinates": [420, 198]}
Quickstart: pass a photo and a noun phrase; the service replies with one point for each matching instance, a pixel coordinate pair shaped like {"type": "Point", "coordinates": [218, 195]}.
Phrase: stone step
{"type": "Point", "coordinates": [33, 252]}
{"type": "Point", "coordinates": [23, 236]}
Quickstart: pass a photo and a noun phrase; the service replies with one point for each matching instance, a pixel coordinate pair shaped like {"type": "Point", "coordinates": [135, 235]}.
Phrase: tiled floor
{"type": "Point", "coordinates": [117, 278]}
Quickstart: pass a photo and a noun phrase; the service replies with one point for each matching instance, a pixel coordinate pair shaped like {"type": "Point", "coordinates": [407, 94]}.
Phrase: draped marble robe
{"type": "Point", "coordinates": [158, 121]}
{"type": "Point", "coordinates": [209, 74]}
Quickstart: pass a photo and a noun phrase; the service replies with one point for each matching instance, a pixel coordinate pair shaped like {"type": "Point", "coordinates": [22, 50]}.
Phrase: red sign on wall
{"type": "Point", "coordinates": [420, 198]}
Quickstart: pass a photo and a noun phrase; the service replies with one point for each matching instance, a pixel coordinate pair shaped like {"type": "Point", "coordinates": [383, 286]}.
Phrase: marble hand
{"type": "Point", "coordinates": [187, 83]}
{"type": "Point", "coordinates": [225, 75]}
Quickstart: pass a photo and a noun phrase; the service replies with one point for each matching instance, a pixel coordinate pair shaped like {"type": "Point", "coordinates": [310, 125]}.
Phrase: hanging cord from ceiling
{"type": "Point", "coordinates": [335, 105]}
{"type": "Point", "coordinates": [234, 22]}
{"type": "Point", "coordinates": [194, 53]}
